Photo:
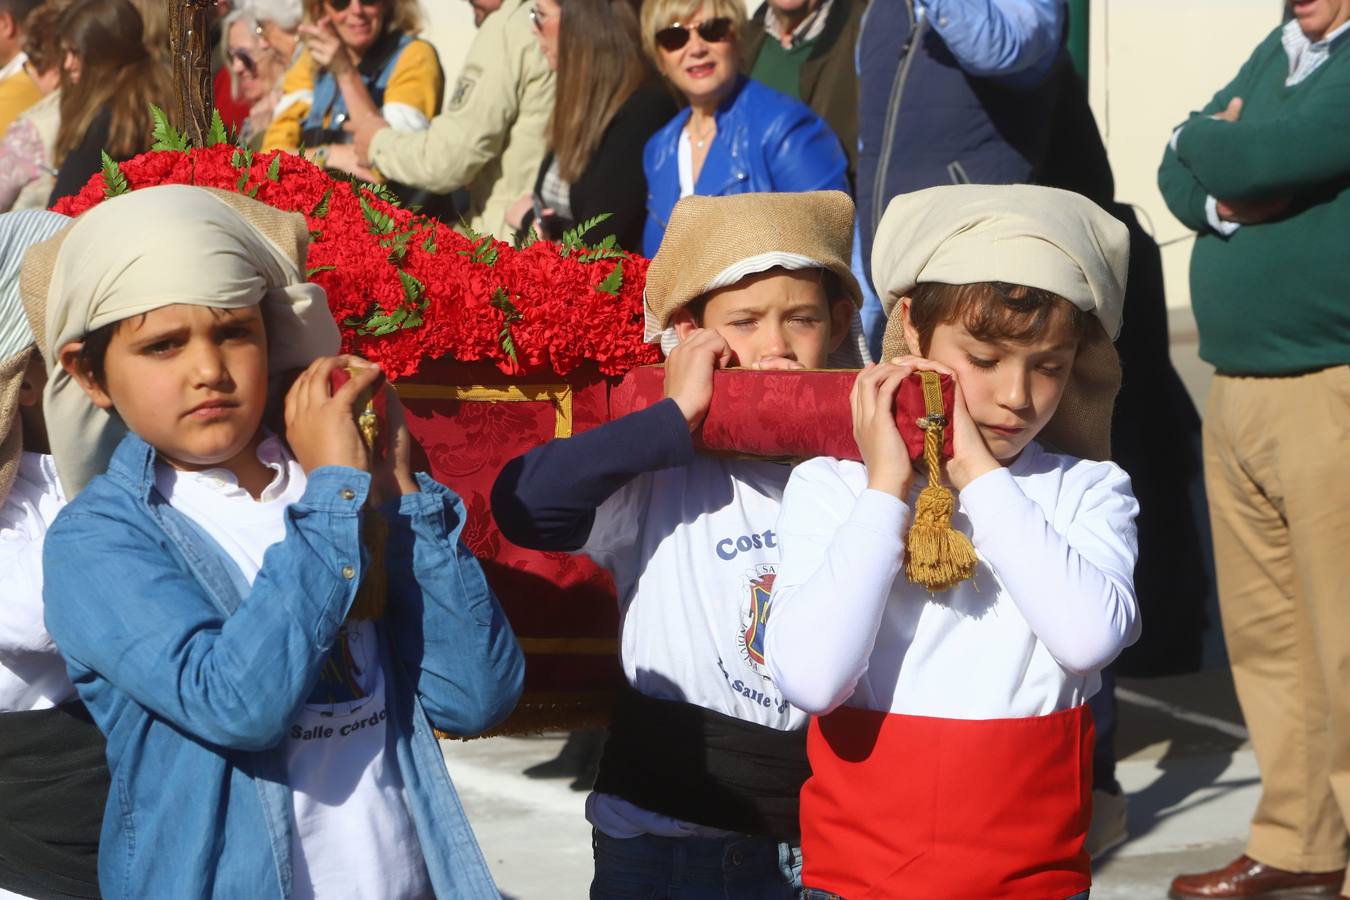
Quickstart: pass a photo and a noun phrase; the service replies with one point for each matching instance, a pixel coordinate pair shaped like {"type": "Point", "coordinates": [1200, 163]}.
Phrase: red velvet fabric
{"type": "Point", "coordinates": [561, 606]}
{"type": "Point", "coordinates": [909, 806]}
{"type": "Point", "coordinates": [777, 414]}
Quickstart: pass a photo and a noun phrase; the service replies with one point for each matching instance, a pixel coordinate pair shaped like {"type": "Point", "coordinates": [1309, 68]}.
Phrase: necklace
{"type": "Point", "coordinates": [700, 139]}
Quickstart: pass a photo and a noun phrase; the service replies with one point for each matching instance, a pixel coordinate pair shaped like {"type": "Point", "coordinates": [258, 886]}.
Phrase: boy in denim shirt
{"type": "Point", "coordinates": [263, 741]}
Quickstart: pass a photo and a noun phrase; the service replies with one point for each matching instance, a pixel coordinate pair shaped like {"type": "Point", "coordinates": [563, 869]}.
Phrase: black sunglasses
{"type": "Point", "coordinates": [340, 5]}
{"type": "Point", "coordinates": [711, 31]}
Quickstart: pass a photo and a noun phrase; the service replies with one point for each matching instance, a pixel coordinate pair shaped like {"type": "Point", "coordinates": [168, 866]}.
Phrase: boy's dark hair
{"type": "Point", "coordinates": [993, 311]}
{"type": "Point", "coordinates": [94, 351]}
{"type": "Point", "coordinates": [830, 283]}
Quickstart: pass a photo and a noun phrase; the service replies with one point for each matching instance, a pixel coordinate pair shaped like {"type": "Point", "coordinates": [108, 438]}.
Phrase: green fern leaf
{"type": "Point", "coordinates": [114, 182]}
{"type": "Point", "coordinates": [315, 270]}
{"type": "Point", "coordinates": [613, 282]}
{"type": "Point", "coordinates": [217, 134]}
{"type": "Point", "coordinates": [274, 169]}
{"type": "Point", "coordinates": [166, 136]}
{"type": "Point", "coordinates": [321, 208]}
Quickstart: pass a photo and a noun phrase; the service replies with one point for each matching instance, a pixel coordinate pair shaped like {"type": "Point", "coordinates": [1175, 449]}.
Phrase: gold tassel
{"type": "Point", "coordinates": [937, 555]}
{"type": "Point", "coordinates": [371, 595]}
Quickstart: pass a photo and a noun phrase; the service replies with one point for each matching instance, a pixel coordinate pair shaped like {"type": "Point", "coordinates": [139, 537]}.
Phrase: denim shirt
{"type": "Point", "coordinates": [195, 678]}
{"type": "Point", "coordinates": [766, 141]}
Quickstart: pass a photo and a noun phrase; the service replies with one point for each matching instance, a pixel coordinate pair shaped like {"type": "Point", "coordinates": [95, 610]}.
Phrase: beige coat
{"type": "Point", "coordinates": [491, 137]}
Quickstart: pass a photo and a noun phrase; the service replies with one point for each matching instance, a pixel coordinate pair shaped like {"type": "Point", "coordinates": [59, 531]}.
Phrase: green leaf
{"type": "Point", "coordinates": [571, 239]}
{"type": "Point", "coordinates": [315, 270]}
{"type": "Point", "coordinates": [412, 288]}
{"type": "Point", "coordinates": [242, 183]}
{"type": "Point", "coordinates": [613, 282]}
{"type": "Point", "coordinates": [508, 344]}
{"type": "Point", "coordinates": [114, 182]}
{"type": "Point", "coordinates": [217, 134]}
{"type": "Point", "coordinates": [274, 170]}
{"type": "Point", "coordinates": [166, 136]}
{"type": "Point", "coordinates": [483, 250]}
{"type": "Point", "coordinates": [379, 222]}
{"type": "Point", "coordinates": [253, 191]}
{"type": "Point", "coordinates": [429, 245]}
{"type": "Point", "coordinates": [321, 208]}
{"type": "Point", "coordinates": [382, 191]}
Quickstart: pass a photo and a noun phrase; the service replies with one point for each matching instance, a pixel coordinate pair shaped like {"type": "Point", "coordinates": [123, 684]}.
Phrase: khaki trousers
{"type": "Point", "coordinates": [1279, 493]}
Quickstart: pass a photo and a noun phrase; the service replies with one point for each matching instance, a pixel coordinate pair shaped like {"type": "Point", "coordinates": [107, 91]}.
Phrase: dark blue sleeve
{"type": "Point", "coordinates": [546, 499]}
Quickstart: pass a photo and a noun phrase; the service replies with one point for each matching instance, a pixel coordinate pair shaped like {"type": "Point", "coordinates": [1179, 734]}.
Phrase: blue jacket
{"type": "Point", "coordinates": [194, 678]}
{"type": "Point", "coordinates": [766, 141]}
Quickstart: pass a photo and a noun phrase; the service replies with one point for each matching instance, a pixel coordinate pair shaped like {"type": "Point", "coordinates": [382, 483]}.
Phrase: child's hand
{"type": "Point", "coordinates": [321, 425]}
{"type": "Point", "coordinates": [883, 451]}
{"type": "Point", "coordinates": [970, 454]}
{"type": "Point", "coordinates": [689, 371]}
{"type": "Point", "coordinates": [392, 475]}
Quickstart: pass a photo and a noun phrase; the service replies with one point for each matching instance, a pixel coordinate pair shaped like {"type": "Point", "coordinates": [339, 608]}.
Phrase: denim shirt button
{"type": "Point", "coordinates": [347, 494]}
{"type": "Point", "coordinates": [348, 572]}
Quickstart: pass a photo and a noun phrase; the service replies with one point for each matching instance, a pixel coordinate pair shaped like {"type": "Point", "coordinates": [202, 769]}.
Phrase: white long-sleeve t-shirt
{"type": "Point", "coordinates": [1052, 601]}
{"type": "Point", "coordinates": [32, 673]}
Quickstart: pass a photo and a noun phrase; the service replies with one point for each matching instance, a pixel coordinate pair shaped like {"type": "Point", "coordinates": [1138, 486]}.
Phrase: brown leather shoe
{"type": "Point", "coordinates": [1246, 878]}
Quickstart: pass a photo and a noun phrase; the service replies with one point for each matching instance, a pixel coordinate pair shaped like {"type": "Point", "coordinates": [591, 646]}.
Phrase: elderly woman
{"type": "Point", "coordinates": [1260, 173]}
{"type": "Point", "coordinates": [256, 69]}
{"type": "Point", "coordinates": [737, 136]}
{"type": "Point", "coordinates": [361, 57]}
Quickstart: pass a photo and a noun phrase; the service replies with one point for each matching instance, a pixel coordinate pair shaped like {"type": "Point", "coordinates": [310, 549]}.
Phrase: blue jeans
{"type": "Point", "coordinates": [664, 868]}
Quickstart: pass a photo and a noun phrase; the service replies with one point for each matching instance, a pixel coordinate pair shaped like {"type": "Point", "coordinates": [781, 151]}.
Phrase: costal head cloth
{"type": "Point", "coordinates": [1028, 235]}
{"type": "Point", "coordinates": [18, 231]}
{"type": "Point", "coordinates": [151, 248]}
{"type": "Point", "coordinates": [714, 242]}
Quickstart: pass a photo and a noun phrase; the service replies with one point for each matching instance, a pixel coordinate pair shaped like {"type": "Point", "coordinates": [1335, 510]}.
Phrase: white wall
{"type": "Point", "coordinates": [449, 28]}
{"type": "Point", "coordinates": [1153, 62]}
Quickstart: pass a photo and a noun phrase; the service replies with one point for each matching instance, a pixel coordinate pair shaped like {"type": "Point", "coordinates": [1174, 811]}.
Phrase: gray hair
{"type": "Point", "coordinates": [285, 14]}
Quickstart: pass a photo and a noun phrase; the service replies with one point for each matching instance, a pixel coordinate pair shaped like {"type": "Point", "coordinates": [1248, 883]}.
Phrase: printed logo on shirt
{"type": "Point", "coordinates": [344, 681]}
{"type": "Point", "coordinates": [460, 95]}
{"type": "Point", "coordinates": [755, 599]}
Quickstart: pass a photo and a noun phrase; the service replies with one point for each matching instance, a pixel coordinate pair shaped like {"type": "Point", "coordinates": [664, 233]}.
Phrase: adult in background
{"type": "Point", "coordinates": [361, 58]}
{"type": "Point", "coordinates": [608, 103]}
{"type": "Point", "coordinates": [17, 89]}
{"type": "Point", "coordinates": [804, 48]}
{"type": "Point", "coordinates": [951, 91]}
{"type": "Point", "coordinates": [1261, 173]}
{"type": "Point", "coordinates": [108, 82]}
{"type": "Point", "coordinates": [29, 144]}
{"type": "Point", "coordinates": [737, 136]}
{"type": "Point", "coordinates": [256, 70]}
{"type": "Point", "coordinates": [492, 135]}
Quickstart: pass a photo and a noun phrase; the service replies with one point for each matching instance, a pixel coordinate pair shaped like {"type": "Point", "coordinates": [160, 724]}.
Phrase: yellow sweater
{"type": "Point", "coordinates": [17, 93]}
{"type": "Point", "coordinates": [416, 82]}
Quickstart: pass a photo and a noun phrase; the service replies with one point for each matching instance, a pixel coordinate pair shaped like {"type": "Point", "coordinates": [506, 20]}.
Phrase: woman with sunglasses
{"type": "Point", "coordinates": [361, 58]}
{"type": "Point", "coordinates": [608, 102]}
{"type": "Point", "coordinates": [737, 136]}
{"type": "Point", "coordinates": [256, 69]}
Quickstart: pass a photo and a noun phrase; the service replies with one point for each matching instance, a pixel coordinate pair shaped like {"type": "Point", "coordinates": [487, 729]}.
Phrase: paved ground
{"type": "Point", "coordinates": [1185, 765]}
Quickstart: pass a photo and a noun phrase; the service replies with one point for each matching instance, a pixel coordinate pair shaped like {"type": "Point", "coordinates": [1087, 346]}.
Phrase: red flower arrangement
{"type": "Point", "coordinates": [404, 287]}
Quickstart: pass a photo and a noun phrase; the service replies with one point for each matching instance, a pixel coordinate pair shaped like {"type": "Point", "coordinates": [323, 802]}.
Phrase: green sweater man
{"type": "Point", "coordinates": [1272, 297]}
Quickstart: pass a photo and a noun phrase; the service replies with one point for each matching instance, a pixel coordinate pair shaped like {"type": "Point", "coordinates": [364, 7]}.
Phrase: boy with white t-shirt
{"type": "Point", "coordinates": [701, 771]}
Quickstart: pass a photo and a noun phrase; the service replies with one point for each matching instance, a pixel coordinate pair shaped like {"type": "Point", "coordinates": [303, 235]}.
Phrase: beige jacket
{"type": "Point", "coordinates": [491, 137]}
